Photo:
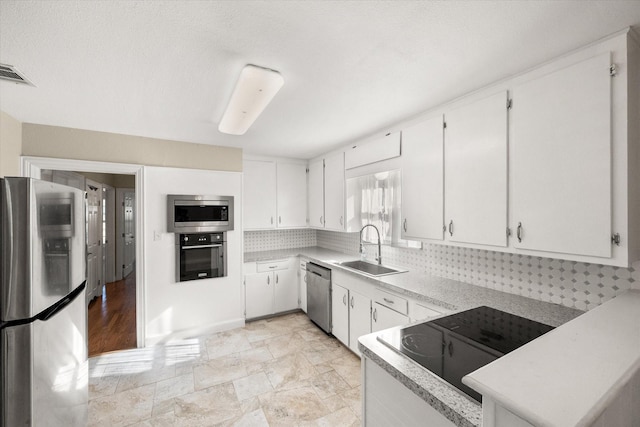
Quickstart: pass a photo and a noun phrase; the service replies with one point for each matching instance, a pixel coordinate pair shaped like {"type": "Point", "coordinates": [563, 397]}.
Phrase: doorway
{"type": "Point", "coordinates": [110, 261]}
{"type": "Point", "coordinates": [33, 166]}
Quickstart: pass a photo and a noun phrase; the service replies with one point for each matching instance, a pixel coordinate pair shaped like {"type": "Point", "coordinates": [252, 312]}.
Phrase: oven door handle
{"type": "Point", "coordinates": [201, 246]}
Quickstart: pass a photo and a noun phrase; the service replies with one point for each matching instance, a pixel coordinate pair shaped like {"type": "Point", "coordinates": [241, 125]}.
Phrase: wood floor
{"type": "Point", "coordinates": [112, 317]}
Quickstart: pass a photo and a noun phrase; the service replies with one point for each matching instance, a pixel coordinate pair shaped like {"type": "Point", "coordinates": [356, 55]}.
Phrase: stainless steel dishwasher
{"type": "Point", "coordinates": [319, 296]}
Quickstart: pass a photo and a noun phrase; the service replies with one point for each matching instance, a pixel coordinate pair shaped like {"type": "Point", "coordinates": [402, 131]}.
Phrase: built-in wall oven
{"type": "Point", "coordinates": [200, 256]}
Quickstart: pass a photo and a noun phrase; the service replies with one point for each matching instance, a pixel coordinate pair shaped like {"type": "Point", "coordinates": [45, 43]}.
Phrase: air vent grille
{"type": "Point", "coordinates": [10, 73]}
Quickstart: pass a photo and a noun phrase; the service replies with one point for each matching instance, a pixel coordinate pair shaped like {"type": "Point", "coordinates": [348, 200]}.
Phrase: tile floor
{"type": "Point", "coordinates": [282, 371]}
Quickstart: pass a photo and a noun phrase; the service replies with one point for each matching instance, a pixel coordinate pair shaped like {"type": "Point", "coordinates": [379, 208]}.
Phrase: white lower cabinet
{"type": "Point", "coordinates": [302, 284]}
{"type": "Point", "coordinates": [359, 318]}
{"type": "Point", "coordinates": [340, 313]}
{"type": "Point", "coordinates": [387, 402]}
{"type": "Point", "coordinates": [270, 287]}
{"type": "Point", "coordinates": [258, 294]}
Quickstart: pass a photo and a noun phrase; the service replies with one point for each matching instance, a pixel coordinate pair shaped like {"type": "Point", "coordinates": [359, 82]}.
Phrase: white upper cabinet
{"type": "Point", "coordinates": [292, 194]}
{"type": "Point", "coordinates": [334, 191]}
{"type": "Point", "coordinates": [475, 153]}
{"type": "Point", "coordinates": [561, 160]}
{"type": "Point", "coordinates": [423, 180]}
{"type": "Point", "coordinates": [315, 194]}
{"type": "Point", "coordinates": [326, 192]}
{"type": "Point", "coordinates": [259, 195]}
{"type": "Point", "coordinates": [275, 194]}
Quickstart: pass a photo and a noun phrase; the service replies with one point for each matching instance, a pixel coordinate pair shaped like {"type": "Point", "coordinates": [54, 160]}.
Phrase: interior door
{"type": "Point", "coordinates": [129, 224]}
{"type": "Point", "coordinates": [109, 230]}
{"type": "Point", "coordinates": [94, 233]}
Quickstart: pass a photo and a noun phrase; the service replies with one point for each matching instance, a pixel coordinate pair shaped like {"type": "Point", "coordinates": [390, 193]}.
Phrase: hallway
{"type": "Point", "coordinates": [112, 317]}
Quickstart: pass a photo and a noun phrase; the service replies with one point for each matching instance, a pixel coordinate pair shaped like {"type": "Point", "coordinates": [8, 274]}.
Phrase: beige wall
{"type": "Point", "coordinates": [78, 144]}
{"type": "Point", "coordinates": [10, 145]}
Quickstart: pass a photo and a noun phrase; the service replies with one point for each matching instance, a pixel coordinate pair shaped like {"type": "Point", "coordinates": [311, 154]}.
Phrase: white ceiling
{"type": "Point", "coordinates": [352, 69]}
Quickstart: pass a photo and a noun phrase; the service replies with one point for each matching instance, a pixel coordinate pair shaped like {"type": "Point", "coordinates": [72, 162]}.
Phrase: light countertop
{"type": "Point", "coordinates": [446, 293]}
{"type": "Point", "coordinates": [568, 376]}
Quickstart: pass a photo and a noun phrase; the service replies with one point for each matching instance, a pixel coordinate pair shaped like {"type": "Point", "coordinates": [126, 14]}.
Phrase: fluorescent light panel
{"type": "Point", "coordinates": [255, 88]}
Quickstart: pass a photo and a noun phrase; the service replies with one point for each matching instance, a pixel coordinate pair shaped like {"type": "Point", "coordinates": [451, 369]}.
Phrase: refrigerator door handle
{"type": "Point", "coordinates": [60, 305]}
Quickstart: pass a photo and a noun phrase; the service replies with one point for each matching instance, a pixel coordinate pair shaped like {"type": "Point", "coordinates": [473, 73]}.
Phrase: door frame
{"type": "Point", "coordinates": [31, 167]}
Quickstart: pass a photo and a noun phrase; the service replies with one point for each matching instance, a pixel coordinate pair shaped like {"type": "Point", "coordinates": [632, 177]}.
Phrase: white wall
{"type": "Point", "coordinates": [10, 145]}
{"type": "Point", "coordinates": [198, 306]}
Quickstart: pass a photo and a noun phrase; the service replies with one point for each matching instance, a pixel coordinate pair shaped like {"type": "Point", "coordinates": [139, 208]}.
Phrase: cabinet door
{"type": "Point", "coordinates": [258, 295]}
{"type": "Point", "coordinates": [286, 288]}
{"type": "Point", "coordinates": [359, 318]}
{"type": "Point", "coordinates": [292, 194]}
{"type": "Point", "coordinates": [302, 283]}
{"type": "Point", "coordinates": [316, 193]}
{"type": "Point", "coordinates": [561, 160]}
{"type": "Point", "coordinates": [384, 318]}
{"type": "Point", "coordinates": [476, 172]}
{"type": "Point", "coordinates": [340, 313]}
{"type": "Point", "coordinates": [334, 192]}
{"type": "Point", "coordinates": [259, 195]}
{"type": "Point", "coordinates": [423, 180]}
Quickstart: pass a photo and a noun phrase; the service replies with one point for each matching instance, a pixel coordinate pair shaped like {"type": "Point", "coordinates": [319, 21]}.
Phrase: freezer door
{"type": "Point", "coordinates": [42, 242]}
{"type": "Point", "coordinates": [45, 370]}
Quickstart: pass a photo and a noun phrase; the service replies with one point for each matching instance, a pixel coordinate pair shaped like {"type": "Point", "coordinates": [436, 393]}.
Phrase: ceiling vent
{"type": "Point", "coordinates": [10, 73]}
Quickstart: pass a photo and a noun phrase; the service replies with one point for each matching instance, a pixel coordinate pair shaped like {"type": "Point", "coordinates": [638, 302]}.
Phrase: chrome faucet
{"type": "Point", "coordinates": [379, 257]}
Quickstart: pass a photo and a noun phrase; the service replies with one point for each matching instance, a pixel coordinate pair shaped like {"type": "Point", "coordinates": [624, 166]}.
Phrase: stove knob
{"type": "Point", "coordinates": [186, 238]}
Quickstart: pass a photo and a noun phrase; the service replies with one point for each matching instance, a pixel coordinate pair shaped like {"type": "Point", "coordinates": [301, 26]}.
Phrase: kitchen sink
{"type": "Point", "coordinates": [370, 268]}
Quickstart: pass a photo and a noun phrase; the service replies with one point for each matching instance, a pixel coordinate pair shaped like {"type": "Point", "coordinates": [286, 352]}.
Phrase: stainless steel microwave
{"type": "Point", "coordinates": [199, 214]}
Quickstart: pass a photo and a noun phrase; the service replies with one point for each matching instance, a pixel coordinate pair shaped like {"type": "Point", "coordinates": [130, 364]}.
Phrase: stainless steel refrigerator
{"type": "Point", "coordinates": [43, 316]}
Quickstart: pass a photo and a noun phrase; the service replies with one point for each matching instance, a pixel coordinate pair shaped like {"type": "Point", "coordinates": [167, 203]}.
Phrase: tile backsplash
{"type": "Point", "coordinates": [570, 283]}
{"type": "Point", "coordinates": [278, 239]}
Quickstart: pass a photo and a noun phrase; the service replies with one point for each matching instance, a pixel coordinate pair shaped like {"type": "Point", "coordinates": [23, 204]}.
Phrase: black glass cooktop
{"type": "Point", "coordinates": [453, 346]}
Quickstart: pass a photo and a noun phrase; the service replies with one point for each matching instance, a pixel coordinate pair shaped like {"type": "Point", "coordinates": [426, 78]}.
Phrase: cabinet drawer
{"type": "Point", "coordinates": [280, 264]}
{"type": "Point", "coordinates": [394, 302]}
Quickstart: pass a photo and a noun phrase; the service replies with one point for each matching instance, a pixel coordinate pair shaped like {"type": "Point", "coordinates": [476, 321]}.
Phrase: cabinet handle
{"type": "Point", "coordinates": [271, 220]}
{"type": "Point", "coordinates": [279, 220]}
{"type": "Point", "coordinates": [404, 225]}
{"type": "Point", "coordinates": [451, 348]}
{"type": "Point", "coordinates": [519, 232]}
{"type": "Point", "coordinates": [321, 221]}
{"type": "Point", "coordinates": [387, 300]}
{"type": "Point", "coordinates": [351, 302]}
{"type": "Point", "coordinates": [341, 220]}
{"type": "Point", "coordinates": [451, 228]}
{"type": "Point", "coordinates": [305, 278]}
{"type": "Point", "coordinates": [276, 278]}
{"type": "Point", "coordinates": [344, 299]}
{"type": "Point", "coordinates": [268, 280]}
{"type": "Point", "coordinates": [375, 314]}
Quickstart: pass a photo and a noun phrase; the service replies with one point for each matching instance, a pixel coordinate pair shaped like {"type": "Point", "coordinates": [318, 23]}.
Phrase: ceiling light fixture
{"type": "Point", "coordinates": [255, 88]}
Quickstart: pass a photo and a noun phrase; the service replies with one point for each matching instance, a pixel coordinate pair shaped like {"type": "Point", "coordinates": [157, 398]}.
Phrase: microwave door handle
{"type": "Point", "coordinates": [202, 246]}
